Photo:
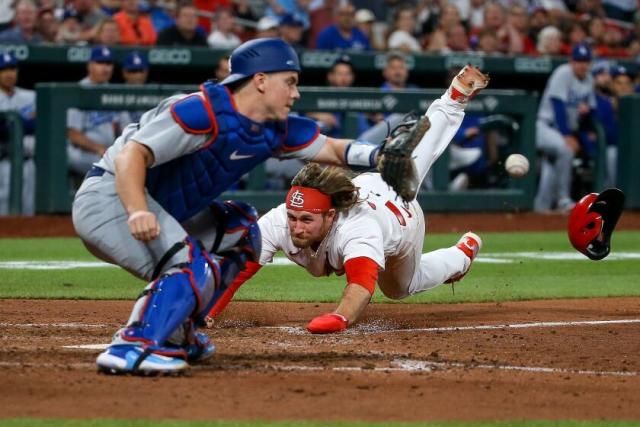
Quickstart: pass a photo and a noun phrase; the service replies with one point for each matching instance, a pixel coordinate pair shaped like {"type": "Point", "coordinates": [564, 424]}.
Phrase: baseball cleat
{"type": "Point", "coordinates": [470, 243]}
{"type": "Point", "coordinates": [202, 349]}
{"type": "Point", "coordinates": [123, 359]}
{"type": "Point", "coordinates": [467, 84]}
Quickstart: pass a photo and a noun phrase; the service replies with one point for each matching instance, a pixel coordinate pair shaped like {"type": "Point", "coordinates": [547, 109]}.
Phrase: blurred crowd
{"type": "Point", "coordinates": [498, 27]}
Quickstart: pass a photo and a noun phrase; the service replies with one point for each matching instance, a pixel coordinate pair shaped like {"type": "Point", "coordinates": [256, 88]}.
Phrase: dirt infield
{"type": "Point", "coordinates": [401, 362]}
{"type": "Point", "coordinates": [54, 226]}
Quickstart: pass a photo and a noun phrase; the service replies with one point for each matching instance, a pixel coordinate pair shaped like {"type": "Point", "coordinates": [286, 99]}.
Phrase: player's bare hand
{"type": "Point", "coordinates": [143, 225]}
{"type": "Point", "coordinates": [572, 142]}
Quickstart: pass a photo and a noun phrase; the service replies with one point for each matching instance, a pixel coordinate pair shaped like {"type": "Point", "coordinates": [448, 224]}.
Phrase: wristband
{"type": "Point", "coordinates": [361, 155]}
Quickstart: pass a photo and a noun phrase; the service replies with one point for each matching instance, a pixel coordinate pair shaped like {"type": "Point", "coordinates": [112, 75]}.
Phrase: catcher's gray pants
{"type": "Point", "coordinates": [555, 173]}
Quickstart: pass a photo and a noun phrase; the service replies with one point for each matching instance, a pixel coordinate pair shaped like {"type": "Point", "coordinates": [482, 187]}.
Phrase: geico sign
{"type": "Point", "coordinates": [78, 54]}
{"type": "Point", "coordinates": [170, 56]}
{"type": "Point", "coordinates": [21, 51]}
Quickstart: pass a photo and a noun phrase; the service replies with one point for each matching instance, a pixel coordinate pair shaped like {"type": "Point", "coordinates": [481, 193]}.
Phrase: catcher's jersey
{"type": "Point", "coordinates": [379, 227]}
{"type": "Point", "coordinates": [21, 100]}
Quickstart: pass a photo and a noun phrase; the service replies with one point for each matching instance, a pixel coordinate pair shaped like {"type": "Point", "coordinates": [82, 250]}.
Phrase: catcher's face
{"type": "Point", "coordinates": [308, 229]}
{"type": "Point", "coordinates": [280, 91]}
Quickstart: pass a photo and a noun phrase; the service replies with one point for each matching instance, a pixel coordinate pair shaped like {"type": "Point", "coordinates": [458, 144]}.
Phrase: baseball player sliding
{"type": "Point", "coordinates": [149, 205]}
{"type": "Point", "coordinates": [360, 227]}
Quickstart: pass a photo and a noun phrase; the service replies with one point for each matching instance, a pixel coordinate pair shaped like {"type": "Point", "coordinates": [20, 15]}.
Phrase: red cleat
{"type": "Point", "coordinates": [470, 243]}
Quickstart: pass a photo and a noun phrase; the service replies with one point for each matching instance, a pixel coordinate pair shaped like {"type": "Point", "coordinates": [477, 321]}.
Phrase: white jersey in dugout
{"type": "Point", "coordinates": [378, 227]}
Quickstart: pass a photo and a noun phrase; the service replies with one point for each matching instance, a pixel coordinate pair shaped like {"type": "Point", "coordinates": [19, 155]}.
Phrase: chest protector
{"type": "Point", "coordinates": [188, 184]}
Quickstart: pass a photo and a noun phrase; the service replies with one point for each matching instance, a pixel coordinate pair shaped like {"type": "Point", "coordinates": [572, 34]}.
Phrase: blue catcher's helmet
{"type": "Point", "coordinates": [261, 56]}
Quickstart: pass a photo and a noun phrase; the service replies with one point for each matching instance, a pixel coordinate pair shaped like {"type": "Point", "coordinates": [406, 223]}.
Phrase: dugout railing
{"type": "Point", "coordinates": [53, 100]}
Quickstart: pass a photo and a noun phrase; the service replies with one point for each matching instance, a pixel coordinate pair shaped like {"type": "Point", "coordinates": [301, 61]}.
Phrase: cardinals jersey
{"type": "Point", "coordinates": [378, 227]}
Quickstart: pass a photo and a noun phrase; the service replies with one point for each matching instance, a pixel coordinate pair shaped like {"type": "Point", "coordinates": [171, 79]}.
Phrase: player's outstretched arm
{"type": "Point", "coordinates": [131, 171]}
{"type": "Point", "coordinates": [358, 155]}
{"type": "Point", "coordinates": [362, 273]}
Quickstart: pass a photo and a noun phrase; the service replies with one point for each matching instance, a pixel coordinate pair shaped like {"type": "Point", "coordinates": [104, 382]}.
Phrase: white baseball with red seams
{"type": "Point", "coordinates": [517, 165]}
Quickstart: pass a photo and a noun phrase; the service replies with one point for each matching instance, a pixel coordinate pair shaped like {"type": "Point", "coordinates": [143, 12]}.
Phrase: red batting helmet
{"type": "Point", "coordinates": [592, 221]}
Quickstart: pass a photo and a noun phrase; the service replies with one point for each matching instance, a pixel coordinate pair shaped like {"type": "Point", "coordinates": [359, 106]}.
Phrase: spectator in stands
{"type": "Point", "coordinates": [567, 99]}
{"type": "Point", "coordinates": [340, 75]}
{"type": "Point", "coordinates": [515, 32]}
{"type": "Point", "coordinates": [549, 41]}
{"type": "Point", "coordinates": [208, 7]}
{"type": "Point", "coordinates": [366, 22]}
{"type": "Point", "coordinates": [24, 28]}
{"type": "Point", "coordinates": [88, 15]}
{"type": "Point", "coordinates": [161, 19]}
{"type": "Point", "coordinates": [612, 44]}
{"type": "Point", "coordinates": [222, 68]}
{"type": "Point", "coordinates": [449, 18]}
{"type": "Point", "coordinates": [135, 28]}
{"type": "Point", "coordinates": [7, 13]}
{"type": "Point", "coordinates": [110, 7]}
{"type": "Point", "coordinates": [222, 36]}
{"type": "Point", "coordinates": [495, 20]}
{"type": "Point", "coordinates": [576, 34]}
{"type": "Point", "coordinates": [70, 30]}
{"type": "Point", "coordinates": [291, 30]}
{"type": "Point", "coordinates": [488, 43]}
{"type": "Point", "coordinates": [343, 35]}
{"type": "Point", "coordinates": [22, 101]}
{"type": "Point", "coordinates": [471, 13]}
{"type": "Point", "coordinates": [457, 40]}
{"type": "Point", "coordinates": [90, 133]}
{"type": "Point", "coordinates": [403, 36]}
{"type": "Point", "coordinates": [621, 11]}
{"type": "Point", "coordinates": [537, 21]}
{"type": "Point", "coordinates": [597, 30]}
{"type": "Point", "coordinates": [267, 27]}
{"type": "Point", "coordinates": [320, 17]}
{"type": "Point", "coordinates": [48, 26]}
{"type": "Point", "coordinates": [298, 8]}
{"type": "Point", "coordinates": [107, 33]}
{"type": "Point", "coordinates": [185, 32]}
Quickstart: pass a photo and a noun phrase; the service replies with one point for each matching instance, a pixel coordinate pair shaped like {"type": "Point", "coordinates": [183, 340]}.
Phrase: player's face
{"type": "Point", "coordinates": [135, 77]}
{"type": "Point", "coordinates": [8, 78]}
{"type": "Point", "coordinates": [280, 93]}
{"type": "Point", "coordinates": [307, 229]}
{"type": "Point", "coordinates": [100, 72]}
{"type": "Point", "coordinates": [341, 76]}
{"type": "Point", "coordinates": [580, 68]}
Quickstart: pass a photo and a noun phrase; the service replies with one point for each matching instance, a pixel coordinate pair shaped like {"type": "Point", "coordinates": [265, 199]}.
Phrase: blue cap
{"type": "Point", "coordinates": [70, 13]}
{"type": "Point", "coordinates": [581, 52]}
{"type": "Point", "coordinates": [266, 55]}
{"type": "Point", "coordinates": [620, 70]}
{"type": "Point", "coordinates": [101, 54]}
{"type": "Point", "coordinates": [135, 61]}
{"type": "Point", "coordinates": [8, 60]}
{"type": "Point", "coordinates": [291, 21]}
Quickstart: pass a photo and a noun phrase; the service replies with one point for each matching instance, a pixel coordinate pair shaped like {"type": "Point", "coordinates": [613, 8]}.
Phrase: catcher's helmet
{"type": "Point", "coordinates": [592, 221]}
{"type": "Point", "coordinates": [265, 55]}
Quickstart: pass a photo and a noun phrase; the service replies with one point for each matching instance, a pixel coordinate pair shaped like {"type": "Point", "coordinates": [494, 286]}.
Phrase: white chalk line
{"type": "Point", "coordinates": [489, 258]}
{"type": "Point", "coordinates": [295, 330]}
{"type": "Point", "coordinates": [396, 365]}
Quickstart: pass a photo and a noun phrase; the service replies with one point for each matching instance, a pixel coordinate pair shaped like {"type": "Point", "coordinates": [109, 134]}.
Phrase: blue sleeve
{"type": "Point", "coordinates": [560, 113]}
{"type": "Point", "coordinates": [323, 41]}
{"type": "Point", "coordinates": [28, 125]}
{"type": "Point", "coordinates": [301, 132]}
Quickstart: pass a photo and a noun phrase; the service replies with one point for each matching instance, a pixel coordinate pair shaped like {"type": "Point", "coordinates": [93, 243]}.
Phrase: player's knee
{"type": "Point", "coordinates": [237, 229]}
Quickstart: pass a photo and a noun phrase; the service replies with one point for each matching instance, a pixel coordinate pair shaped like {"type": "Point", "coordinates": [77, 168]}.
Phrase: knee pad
{"type": "Point", "coordinates": [237, 229]}
{"type": "Point", "coordinates": [171, 301]}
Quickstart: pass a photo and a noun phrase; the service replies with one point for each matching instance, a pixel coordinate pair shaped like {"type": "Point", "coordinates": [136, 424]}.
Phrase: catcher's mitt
{"type": "Point", "coordinates": [396, 164]}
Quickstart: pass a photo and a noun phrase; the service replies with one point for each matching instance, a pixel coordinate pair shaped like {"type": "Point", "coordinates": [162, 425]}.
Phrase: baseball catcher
{"type": "Point", "coordinates": [333, 223]}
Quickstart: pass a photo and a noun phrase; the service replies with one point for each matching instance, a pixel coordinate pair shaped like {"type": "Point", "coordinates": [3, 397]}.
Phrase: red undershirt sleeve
{"type": "Point", "coordinates": [362, 271]}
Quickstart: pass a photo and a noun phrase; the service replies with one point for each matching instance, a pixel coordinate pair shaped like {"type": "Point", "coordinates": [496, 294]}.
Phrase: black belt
{"type": "Point", "coordinates": [94, 171]}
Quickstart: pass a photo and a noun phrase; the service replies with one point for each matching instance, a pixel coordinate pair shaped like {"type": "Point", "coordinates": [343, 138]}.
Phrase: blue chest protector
{"type": "Point", "coordinates": [188, 184]}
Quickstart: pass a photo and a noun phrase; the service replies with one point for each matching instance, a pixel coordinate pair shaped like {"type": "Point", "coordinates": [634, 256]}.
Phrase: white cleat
{"type": "Point", "coordinates": [123, 359]}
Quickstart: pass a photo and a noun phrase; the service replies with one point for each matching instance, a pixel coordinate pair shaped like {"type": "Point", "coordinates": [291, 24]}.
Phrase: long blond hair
{"type": "Point", "coordinates": [331, 180]}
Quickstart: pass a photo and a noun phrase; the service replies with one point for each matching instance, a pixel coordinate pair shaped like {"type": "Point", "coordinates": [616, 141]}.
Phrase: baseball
{"type": "Point", "coordinates": [517, 165]}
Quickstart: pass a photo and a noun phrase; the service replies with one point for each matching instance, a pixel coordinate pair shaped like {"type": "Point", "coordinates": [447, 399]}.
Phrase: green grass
{"type": "Point", "coordinates": [526, 278]}
{"type": "Point", "coordinates": [26, 422]}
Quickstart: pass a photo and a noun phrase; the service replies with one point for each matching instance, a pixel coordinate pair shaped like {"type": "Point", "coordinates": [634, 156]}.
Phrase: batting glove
{"type": "Point", "coordinates": [328, 324]}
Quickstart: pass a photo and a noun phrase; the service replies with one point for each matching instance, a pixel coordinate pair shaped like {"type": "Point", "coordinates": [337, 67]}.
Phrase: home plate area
{"type": "Point", "coordinates": [559, 359]}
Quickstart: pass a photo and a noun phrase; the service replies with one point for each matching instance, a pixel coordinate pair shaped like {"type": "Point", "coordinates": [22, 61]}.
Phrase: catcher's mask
{"type": "Point", "coordinates": [592, 221]}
